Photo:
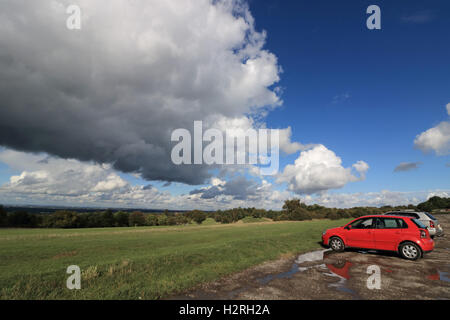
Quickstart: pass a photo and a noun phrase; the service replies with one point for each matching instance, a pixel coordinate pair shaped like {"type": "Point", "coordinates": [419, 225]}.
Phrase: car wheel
{"type": "Point", "coordinates": [410, 251]}
{"type": "Point", "coordinates": [337, 244]}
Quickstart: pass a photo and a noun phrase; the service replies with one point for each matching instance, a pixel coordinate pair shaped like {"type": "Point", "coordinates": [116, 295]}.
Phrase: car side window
{"type": "Point", "coordinates": [390, 223]}
{"type": "Point", "coordinates": [363, 224]}
{"type": "Point", "coordinates": [402, 224]}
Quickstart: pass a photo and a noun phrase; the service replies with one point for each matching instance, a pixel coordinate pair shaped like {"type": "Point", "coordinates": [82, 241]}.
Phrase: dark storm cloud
{"type": "Point", "coordinates": [113, 92]}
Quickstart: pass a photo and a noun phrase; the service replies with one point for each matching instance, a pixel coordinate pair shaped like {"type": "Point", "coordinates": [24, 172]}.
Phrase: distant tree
{"type": "Point", "coordinates": [3, 217]}
{"type": "Point", "coordinates": [198, 216]}
{"type": "Point", "coordinates": [162, 220]}
{"type": "Point", "coordinates": [295, 210]}
{"type": "Point", "coordinates": [107, 219]}
{"type": "Point", "coordinates": [434, 203]}
{"type": "Point", "coordinates": [94, 220]}
{"type": "Point", "coordinates": [333, 215]}
{"type": "Point", "coordinates": [121, 219]}
{"type": "Point", "coordinates": [181, 219]}
{"type": "Point", "coordinates": [137, 218]}
{"type": "Point", "coordinates": [151, 220]}
{"type": "Point", "coordinates": [291, 205]}
{"type": "Point", "coordinates": [66, 219]}
{"type": "Point", "coordinates": [21, 219]}
{"type": "Point", "coordinates": [171, 220]}
{"type": "Point", "coordinates": [344, 214]}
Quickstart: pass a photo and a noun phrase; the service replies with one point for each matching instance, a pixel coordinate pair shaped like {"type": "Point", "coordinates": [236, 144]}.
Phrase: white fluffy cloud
{"type": "Point", "coordinates": [55, 181]}
{"type": "Point", "coordinates": [320, 169]}
{"type": "Point", "coordinates": [48, 180]}
{"type": "Point", "coordinates": [288, 146]}
{"type": "Point", "coordinates": [436, 139]}
{"type": "Point", "coordinates": [373, 199]}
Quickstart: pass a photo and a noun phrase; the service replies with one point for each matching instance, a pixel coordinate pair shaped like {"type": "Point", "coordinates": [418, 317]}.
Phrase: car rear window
{"type": "Point", "coordinates": [430, 216]}
{"type": "Point", "coordinates": [418, 223]}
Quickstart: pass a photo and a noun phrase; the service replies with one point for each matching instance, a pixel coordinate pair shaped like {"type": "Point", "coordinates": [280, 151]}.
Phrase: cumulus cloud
{"type": "Point", "coordinates": [47, 180]}
{"type": "Point", "coordinates": [288, 146]}
{"type": "Point", "coordinates": [373, 199]}
{"type": "Point", "coordinates": [407, 166]}
{"type": "Point", "coordinates": [320, 169]}
{"type": "Point", "coordinates": [71, 182]}
{"type": "Point", "coordinates": [436, 139]}
{"type": "Point", "coordinates": [114, 91]}
{"type": "Point", "coordinates": [54, 177]}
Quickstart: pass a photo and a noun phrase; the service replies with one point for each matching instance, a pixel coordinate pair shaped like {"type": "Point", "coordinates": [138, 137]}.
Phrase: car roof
{"type": "Point", "coordinates": [383, 216]}
{"type": "Point", "coordinates": [421, 214]}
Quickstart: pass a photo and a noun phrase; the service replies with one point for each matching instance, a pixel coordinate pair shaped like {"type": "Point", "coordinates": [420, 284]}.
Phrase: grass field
{"type": "Point", "coordinates": [142, 263]}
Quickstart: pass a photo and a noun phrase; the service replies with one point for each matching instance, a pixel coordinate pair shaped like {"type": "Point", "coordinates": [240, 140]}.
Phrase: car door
{"type": "Point", "coordinates": [388, 232]}
{"type": "Point", "coordinates": [360, 235]}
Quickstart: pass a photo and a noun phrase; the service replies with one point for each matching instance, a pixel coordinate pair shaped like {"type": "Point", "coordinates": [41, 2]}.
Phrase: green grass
{"type": "Point", "coordinates": [147, 262]}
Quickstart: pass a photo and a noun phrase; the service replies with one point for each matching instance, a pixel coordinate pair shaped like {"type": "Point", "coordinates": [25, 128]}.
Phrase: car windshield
{"type": "Point", "coordinates": [430, 216]}
{"type": "Point", "coordinates": [419, 224]}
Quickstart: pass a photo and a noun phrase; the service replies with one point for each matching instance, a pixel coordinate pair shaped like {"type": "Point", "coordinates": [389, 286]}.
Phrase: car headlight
{"type": "Point", "coordinates": [323, 233]}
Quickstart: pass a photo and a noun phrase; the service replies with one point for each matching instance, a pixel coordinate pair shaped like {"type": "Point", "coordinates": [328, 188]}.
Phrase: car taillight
{"type": "Point", "coordinates": [431, 224]}
{"type": "Point", "coordinates": [423, 234]}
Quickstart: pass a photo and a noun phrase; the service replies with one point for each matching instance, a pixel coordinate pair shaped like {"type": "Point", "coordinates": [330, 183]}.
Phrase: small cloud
{"type": "Point", "coordinates": [341, 98]}
{"type": "Point", "coordinates": [418, 17]}
{"type": "Point", "coordinates": [147, 187]}
{"type": "Point", "coordinates": [407, 166]}
{"type": "Point", "coordinates": [435, 139]}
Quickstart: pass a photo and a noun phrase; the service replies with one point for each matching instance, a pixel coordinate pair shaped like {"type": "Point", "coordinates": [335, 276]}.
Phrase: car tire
{"type": "Point", "coordinates": [410, 251]}
{"type": "Point", "coordinates": [336, 244]}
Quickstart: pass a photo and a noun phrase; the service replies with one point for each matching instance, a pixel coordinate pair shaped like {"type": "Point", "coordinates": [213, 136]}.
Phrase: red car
{"type": "Point", "coordinates": [407, 236]}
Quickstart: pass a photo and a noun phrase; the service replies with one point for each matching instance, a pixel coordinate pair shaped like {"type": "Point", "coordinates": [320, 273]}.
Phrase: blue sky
{"type": "Point", "coordinates": [363, 94]}
{"type": "Point", "coordinates": [391, 84]}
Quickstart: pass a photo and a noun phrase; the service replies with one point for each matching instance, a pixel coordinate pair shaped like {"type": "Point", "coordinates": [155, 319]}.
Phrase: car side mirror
{"type": "Point", "coordinates": [348, 227]}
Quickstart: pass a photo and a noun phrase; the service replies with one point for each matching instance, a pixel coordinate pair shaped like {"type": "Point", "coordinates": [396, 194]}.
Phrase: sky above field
{"type": "Point", "coordinates": [86, 115]}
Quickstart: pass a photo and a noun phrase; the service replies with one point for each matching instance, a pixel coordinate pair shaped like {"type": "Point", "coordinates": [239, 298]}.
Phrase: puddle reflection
{"type": "Point", "coordinates": [338, 267]}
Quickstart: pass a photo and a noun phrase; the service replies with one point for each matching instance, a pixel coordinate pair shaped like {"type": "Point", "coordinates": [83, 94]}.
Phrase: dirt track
{"type": "Point", "coordinates": [324, 274]}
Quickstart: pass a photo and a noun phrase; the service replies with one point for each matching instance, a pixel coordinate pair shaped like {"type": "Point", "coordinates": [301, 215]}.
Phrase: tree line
{"type": "Point", "coordinates": [293, 210]}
